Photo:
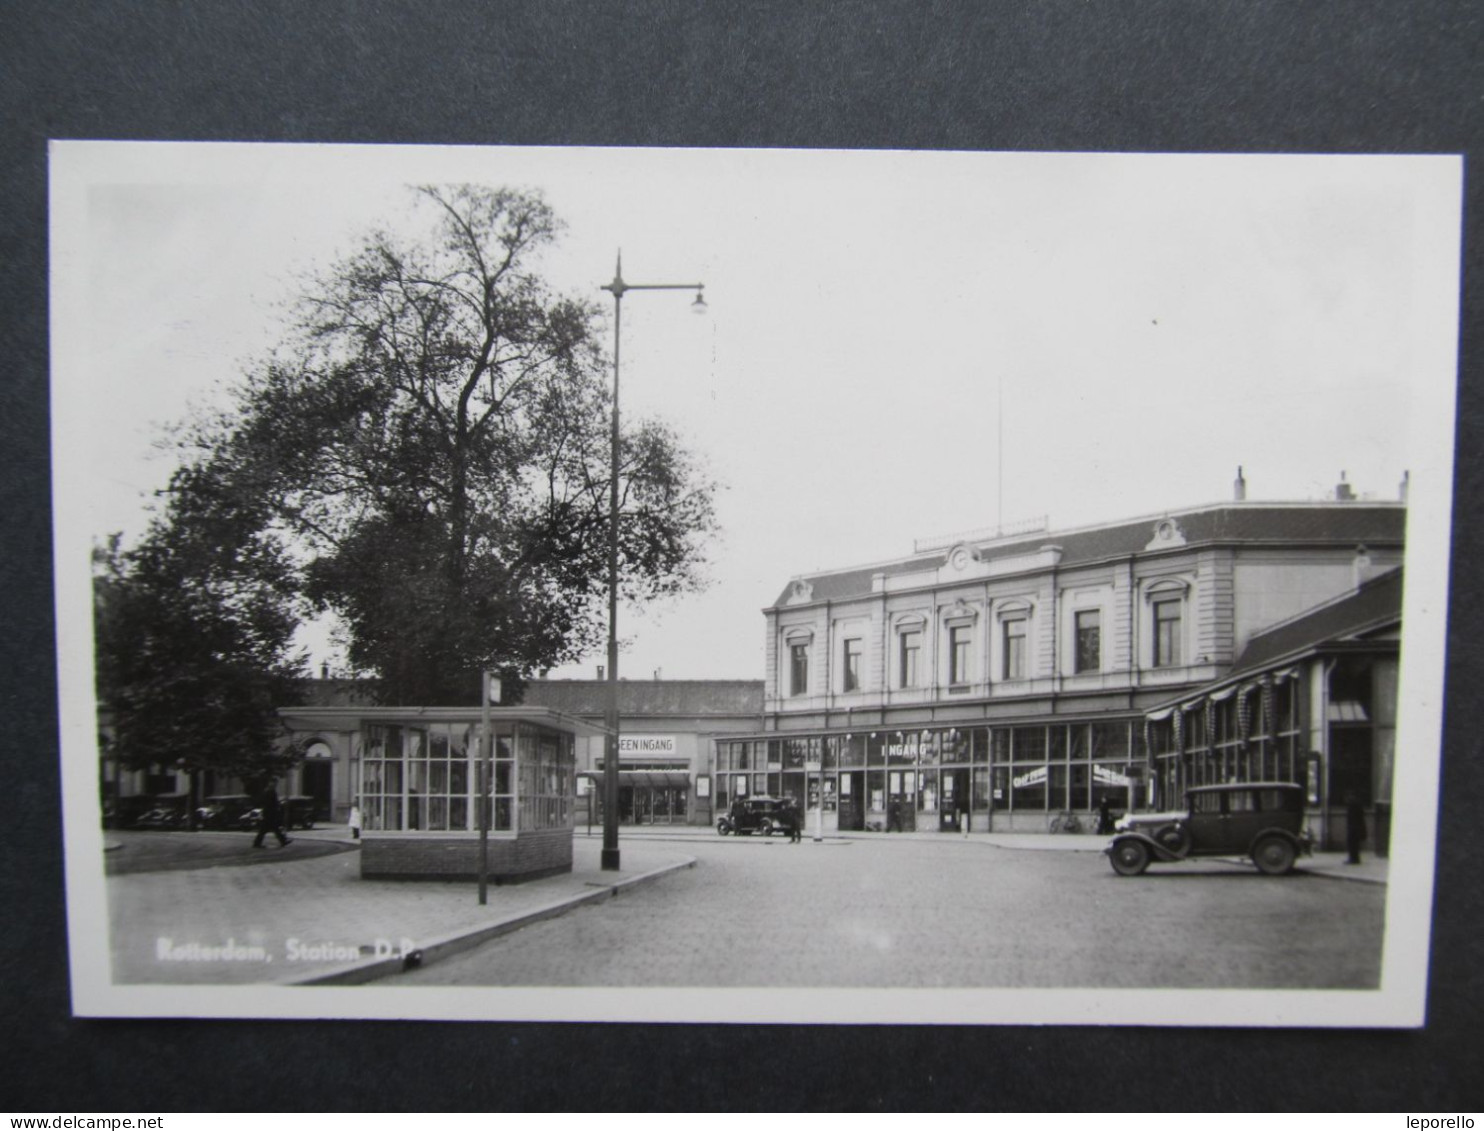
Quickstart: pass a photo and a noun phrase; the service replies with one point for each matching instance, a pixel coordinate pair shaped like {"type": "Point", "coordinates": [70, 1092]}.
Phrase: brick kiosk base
{"type": "Point", "coordinates": [435, 856]}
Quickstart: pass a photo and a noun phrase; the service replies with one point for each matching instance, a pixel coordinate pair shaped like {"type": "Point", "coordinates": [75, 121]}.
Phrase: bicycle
{"type": "Point", "coordinates": [1066, 822]}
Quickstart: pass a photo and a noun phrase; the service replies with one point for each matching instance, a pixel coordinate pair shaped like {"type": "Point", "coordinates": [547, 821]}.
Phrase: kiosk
{"type": "Point", "coordinates": [419, 773]}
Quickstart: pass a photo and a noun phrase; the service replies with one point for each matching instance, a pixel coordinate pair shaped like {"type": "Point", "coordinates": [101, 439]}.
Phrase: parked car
{"type": "Point", "coordinates": [755, 815]}
{"type": "Point", "coordinates": [167, 811]}
{"type": "Point", "coordinates": [225, 811]}
{"type": "Point", "coordinates": [298, 813]}
{"type": "Point", "coordinates": [1260, 820]}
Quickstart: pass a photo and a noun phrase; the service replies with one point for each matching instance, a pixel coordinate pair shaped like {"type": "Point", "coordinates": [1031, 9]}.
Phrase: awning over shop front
{"type": "Point", "coordinates": [652, 779]}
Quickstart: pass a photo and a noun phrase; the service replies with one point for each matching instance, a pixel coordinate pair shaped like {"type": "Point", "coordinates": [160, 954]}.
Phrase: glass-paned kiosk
{"type": "Point", "coordinates": [420, 774]}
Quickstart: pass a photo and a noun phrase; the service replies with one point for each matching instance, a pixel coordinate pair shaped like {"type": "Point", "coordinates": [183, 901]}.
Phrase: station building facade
{"type": "Point", "coordinates": [998, 682]}
{"type": "Point", "coordinates": [669, 732]}
{"type": "Point", "coordinates": [1311, 700]}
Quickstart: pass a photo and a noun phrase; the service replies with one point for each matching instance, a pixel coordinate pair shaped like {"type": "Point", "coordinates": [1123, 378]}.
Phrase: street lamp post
{"type": "Point", "coordinates": [618, 288]}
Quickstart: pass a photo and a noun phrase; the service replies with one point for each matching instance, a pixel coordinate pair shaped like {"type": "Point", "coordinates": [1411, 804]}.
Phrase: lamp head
{"type": "Point", "coordinates": [699, 306]}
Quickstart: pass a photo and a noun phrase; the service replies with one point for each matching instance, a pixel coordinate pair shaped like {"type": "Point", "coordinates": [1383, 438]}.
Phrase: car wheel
{"type": "Point", "coordinates": [721, 827]}
{"type": "Point", "coordinates": [1273, 856]}
{"type": "Point", "coordinates": [1175, 838]}
{"type": "Point", "coordinates": [766, 828]}
{"type": "Point", "coordinates": [1129, 857]}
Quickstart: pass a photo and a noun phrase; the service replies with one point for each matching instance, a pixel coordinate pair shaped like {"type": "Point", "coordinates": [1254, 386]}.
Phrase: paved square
{"type": "Point", "coordinates": [942, 912]}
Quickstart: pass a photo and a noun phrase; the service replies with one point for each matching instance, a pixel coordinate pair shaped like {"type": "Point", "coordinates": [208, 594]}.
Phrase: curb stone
{"type": "Point", "coordinates": [456, 942]}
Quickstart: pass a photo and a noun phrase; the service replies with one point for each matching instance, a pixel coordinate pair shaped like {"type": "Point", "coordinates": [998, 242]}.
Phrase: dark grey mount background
{"type": "Point", "coordinates": [1231, 75]}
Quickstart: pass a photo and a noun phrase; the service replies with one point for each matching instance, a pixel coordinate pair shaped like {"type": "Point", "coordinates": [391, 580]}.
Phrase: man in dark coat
{"type": "Point", "coordinates": [1105, 816]}
{"type": "Point", "coordinates": [270, 819]}
{"type": "Point", "coordinates": [1354, 827]}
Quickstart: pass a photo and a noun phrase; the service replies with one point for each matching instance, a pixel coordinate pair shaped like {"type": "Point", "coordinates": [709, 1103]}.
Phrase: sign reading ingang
{"type": "Point", "coordinates": [629, 744]}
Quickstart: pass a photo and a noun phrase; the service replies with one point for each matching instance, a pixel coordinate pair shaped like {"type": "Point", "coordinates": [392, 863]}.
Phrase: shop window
{"type": "Point", "coordinates": [1089, 648]}
{"type": "Point", "coordinates": [1110, 740]}
{"type": "Point", "coordinates": [1028, 787]}
{"type": "Point", "coordinates": [1081, 747]}
{"type": "Point", "coordinates": [1030, 744]}
{"type": "Point", "coordinates": [909, 652]}
{"type": "Point", "coordinates": [851, 668]}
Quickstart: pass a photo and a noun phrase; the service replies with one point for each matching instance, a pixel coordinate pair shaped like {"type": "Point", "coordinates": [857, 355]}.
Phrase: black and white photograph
{"type": "Point", "coordinates": [751, 585]}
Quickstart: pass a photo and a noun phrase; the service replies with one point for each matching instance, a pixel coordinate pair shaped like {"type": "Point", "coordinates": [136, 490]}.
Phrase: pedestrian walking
{"type": "Point", "coordinates": [894, 817]}
{"type": "Point", "coordinates": [795, 824]}
{"type": "Point", "coordinates": [355, 820]}
{"type": "Point", "coordinates": [270, 819]}
{"type": "Point", "coordinates": [1355, 829]}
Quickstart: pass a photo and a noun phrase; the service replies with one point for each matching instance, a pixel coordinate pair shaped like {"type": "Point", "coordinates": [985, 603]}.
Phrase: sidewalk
{"type": "Point", "coordinates": [293, 920]}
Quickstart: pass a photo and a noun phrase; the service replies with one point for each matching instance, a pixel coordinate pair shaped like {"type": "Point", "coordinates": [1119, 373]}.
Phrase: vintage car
{"type": "Point", "coordinates": [226, 811]}
{"type": "Point", "coordinates": [757, 814]}
{"type": "Point", "coordinates": [1261, 820]}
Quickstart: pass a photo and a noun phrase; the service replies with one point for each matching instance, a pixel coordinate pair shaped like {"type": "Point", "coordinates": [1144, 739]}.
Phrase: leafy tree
{"type": "Point", "coordinates": [194, 631]}
{"type": "Point", "coordinates": [430, 445]}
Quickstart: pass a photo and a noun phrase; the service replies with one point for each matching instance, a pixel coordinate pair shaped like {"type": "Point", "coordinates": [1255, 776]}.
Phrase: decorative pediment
{"type": "Point", "coordinates": [798, 635]}
{"type": "Point", "coordinates": [910, 622]}
{"type": "Point", "coordinates": [800, 592]}
{"type": "Point", "coordinates": [1166, 589]}
{"type": "Point", "coordinates": [960, 610]}
{"type": "Point", "coordinates": [1012, 607]}
{"type": "Point", "coordinates": [1167, 535]}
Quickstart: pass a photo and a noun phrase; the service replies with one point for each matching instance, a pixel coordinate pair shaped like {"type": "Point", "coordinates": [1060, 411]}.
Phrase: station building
{"type": "Point", "coordinates": [668, 736]}
{"type": "Point", "coordinates": [1312, 699]}
{"type": "Point", "coordinates": [999, 681]}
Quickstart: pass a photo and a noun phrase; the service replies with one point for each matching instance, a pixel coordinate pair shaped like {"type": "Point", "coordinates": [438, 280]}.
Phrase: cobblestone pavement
{"type": "Point", "coordinates": [934, 911]}
{"type": "Point", "coordinates": [320, 901]}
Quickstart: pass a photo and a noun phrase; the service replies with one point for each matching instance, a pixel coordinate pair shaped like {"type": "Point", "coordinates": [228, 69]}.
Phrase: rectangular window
{"type": "Point", "coordinates": [1015, 649]}
{"type": "Point", "coordinates": [958, 654]}
{"type": "Point", "coordinates": [852, 666]}
{"type": "Point", "coordinates": [909, 649]}
{"type": "Point", "coordinates": [1166, 634]}
{"type": "Point", "coordinates": [1089, 640]}
{"type": "Point", "coordinates": [546, 773]}
{"type": "Point", "coordinates": [798, 669]}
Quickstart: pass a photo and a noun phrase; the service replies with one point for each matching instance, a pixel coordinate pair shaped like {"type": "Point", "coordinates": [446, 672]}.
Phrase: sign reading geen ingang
{"type": "Point", "coordinates": [630, 744]}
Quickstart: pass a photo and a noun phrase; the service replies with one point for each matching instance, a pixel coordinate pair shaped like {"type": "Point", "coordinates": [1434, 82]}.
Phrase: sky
{"type": "Point", "coordinates": [899, 345]}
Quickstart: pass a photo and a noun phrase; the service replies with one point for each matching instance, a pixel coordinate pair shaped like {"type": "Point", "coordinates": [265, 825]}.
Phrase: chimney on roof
{"type": "Point", "coordinates": [1401, 491]}
{"type": "Point", "coordinates": [601, 673]}
{"type": "Point", "coordinates": [1239, 486]}
{"type": "Point", "coordinates": [1343, 491]}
